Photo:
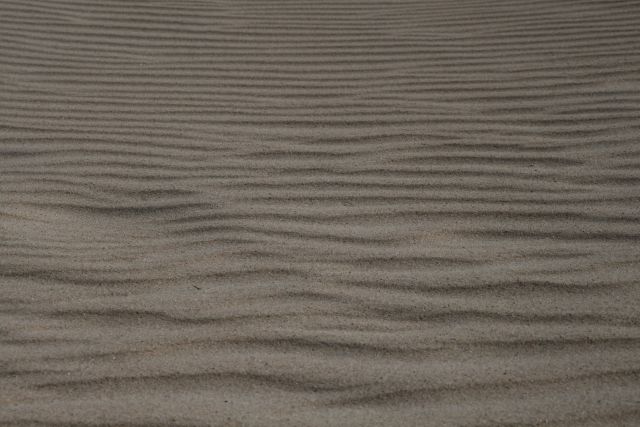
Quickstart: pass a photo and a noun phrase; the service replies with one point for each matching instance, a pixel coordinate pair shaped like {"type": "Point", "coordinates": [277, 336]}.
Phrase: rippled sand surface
{"type": "Point", "coordinates": [315, 213]}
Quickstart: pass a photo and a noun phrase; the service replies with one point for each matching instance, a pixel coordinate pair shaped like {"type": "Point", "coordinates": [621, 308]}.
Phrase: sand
{"type": "Point", "coordinates": [310, 213]}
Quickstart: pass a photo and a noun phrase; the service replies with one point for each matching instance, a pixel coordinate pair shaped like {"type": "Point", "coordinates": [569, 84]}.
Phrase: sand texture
{"type": "Point", "coordinates": [319, 213]}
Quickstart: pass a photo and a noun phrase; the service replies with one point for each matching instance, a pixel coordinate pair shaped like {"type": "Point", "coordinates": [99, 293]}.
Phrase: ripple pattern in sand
{"type": "Point", "coordinates": [319, 213]}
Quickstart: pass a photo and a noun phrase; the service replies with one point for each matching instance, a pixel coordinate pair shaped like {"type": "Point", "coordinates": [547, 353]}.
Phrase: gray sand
{"type": "Point", "coordinates": [357, 213]}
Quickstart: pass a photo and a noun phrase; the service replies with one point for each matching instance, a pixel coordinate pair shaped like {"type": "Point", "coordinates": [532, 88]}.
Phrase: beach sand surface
{"type": "Point", "coordinates": [319, 213]}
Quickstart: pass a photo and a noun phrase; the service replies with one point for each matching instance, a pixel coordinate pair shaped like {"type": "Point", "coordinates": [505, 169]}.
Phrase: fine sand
{"type": "Point", "coordinates": [315, 213]}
